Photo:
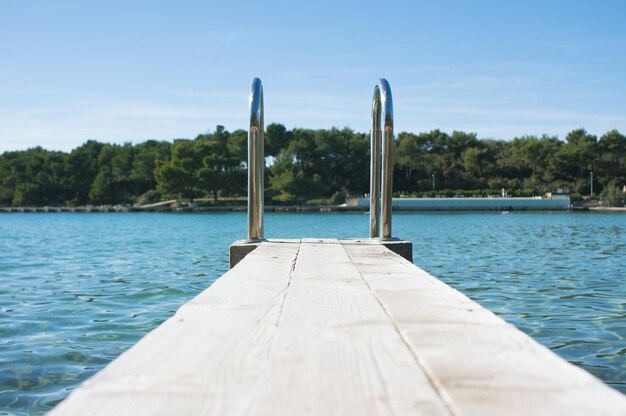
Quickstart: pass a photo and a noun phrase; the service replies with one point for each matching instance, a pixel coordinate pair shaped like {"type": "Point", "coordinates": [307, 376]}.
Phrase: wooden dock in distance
{"type": "Point", "coordinates": [337, 327]}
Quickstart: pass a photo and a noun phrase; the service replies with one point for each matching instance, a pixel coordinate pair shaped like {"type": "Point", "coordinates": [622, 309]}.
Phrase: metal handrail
{"type": "Point", "coordinates": [375, 166]}
{"type": "Point", "coordinates": [256, 162]}
{"type": "Point", "coordinates": [381, 174]}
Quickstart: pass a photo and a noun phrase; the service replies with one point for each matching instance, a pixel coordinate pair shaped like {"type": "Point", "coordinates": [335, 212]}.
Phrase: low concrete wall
{"type": "Point", "coordinates": [474, 204]}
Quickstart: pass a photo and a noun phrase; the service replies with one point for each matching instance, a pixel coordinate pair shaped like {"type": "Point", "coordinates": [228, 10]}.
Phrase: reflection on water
{"type": "Point", "coordinates": [76, 290]}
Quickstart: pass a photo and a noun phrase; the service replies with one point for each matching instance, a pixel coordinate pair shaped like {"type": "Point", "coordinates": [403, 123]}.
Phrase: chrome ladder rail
{"type": "Point", "coordinates": [381, 174]}
{"type": "Point", "coordinates": [256, 162]}
{"type": "Point", "coordinates": [375, 166]}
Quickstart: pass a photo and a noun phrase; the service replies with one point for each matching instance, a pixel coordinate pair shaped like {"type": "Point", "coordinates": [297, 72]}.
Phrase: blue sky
{"type": "Point", "coordinates": [120, 71]}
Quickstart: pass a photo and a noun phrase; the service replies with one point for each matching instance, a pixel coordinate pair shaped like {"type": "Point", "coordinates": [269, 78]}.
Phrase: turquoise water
{"type": "Point", "coordinates": [76, 290]}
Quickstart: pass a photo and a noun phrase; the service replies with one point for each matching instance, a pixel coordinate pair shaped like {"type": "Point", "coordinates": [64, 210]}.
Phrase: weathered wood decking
{"type": "Point", "coordinates": [326, 327]}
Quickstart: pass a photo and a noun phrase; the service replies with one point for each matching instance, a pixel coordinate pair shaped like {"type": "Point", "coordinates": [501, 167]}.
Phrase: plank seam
{"type": "Point", "coordinates": [432, 380]}
{"type": "Point", "coordinates": [291, 273]}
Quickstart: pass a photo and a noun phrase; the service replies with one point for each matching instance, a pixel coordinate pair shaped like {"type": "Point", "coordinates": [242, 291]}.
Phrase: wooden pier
{"type": "Point", "coordinates": [337, 327]}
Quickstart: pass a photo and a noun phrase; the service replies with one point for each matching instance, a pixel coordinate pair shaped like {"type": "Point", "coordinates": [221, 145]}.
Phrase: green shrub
{"type": "Point", "coordinates": [612, 195]}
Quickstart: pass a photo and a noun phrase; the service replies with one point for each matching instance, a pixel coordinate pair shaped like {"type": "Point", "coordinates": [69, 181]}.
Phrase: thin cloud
{"type": "Point", "coordinates": [531, 114]}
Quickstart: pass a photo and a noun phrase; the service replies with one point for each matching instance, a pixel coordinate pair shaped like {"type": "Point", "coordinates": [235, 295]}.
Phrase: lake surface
{"type": "Point", "coordinates": [76, 290]}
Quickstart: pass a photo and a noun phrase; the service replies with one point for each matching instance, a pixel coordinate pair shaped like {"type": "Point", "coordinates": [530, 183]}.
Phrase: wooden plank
{"type": "Point", "coordinates": [480, 364]}
{"type": "Point", "coordinates": [336, 351]}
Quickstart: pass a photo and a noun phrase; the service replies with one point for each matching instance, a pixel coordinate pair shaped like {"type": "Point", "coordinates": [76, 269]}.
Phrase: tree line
{"type": "Point", "coordinates": [323, 166]}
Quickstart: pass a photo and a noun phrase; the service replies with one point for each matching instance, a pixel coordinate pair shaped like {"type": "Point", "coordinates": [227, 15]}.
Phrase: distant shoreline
{"type": "Point", "coordinates": [274, 208]}
{"type": "Point", "coordinates": [474, 204]}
